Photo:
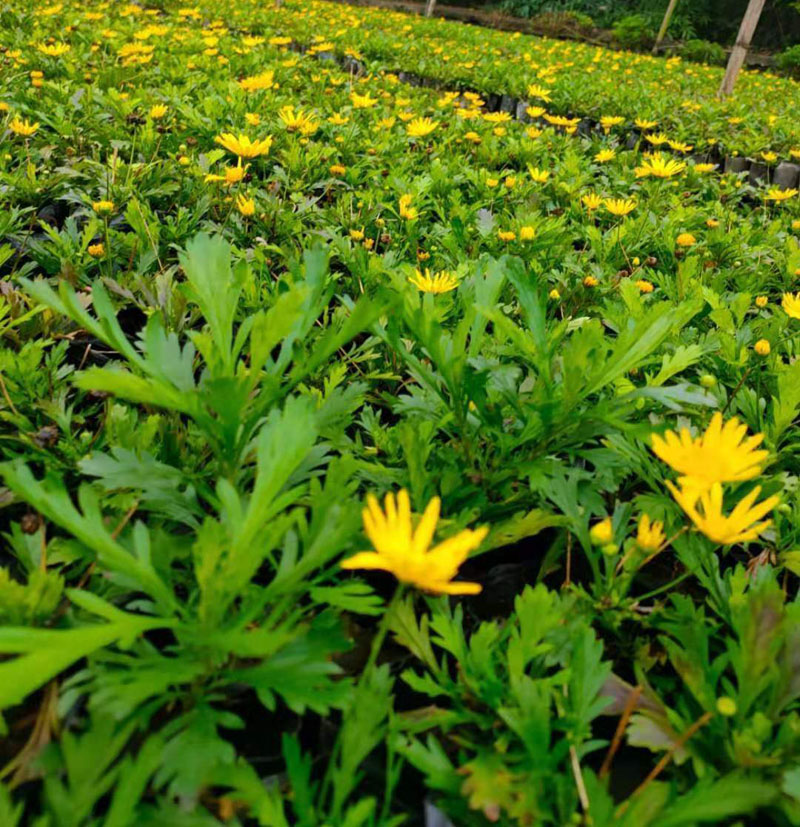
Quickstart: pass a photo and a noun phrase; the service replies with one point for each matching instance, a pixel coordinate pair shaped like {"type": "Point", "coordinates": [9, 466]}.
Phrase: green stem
{"type": "Point", "coordinates": [380, 635]}
{"type": "Point", "coordinates": [665, 587]}
{"type": "Point", "coordinates": [108, 247]}
{"type": "Point", "coordinates": [375, 647]}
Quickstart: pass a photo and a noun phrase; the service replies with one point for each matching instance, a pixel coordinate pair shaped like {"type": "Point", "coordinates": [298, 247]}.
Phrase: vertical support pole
{"type": "Point", "coordinates": [664, 24]}
{"type": "Point", "coordinates": [739, 52]}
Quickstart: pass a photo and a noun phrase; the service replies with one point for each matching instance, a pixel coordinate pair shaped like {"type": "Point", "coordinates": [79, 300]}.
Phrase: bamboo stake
{"type": "Point", "coordinates": [429, 7]}
{"type": "Point", "coordinates": [739, 52]}
{"type": "Point", "coordinates": [664, 24]}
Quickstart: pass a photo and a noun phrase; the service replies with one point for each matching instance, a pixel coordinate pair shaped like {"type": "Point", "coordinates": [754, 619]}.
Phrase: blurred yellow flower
{"type": "Point", "coordinates": [656, 138]}
{"type": "Point", "coordinates": [791, 304]}
{"type": "Point", "coordinates": [609, 121]}
{"type": "Point", "coordinates": [742, 525]}
{"type": "Point", "coordinates": [539, 176]}
{"type": "Point", "coordinates": [420, 127]}
{"type": "Point", "coordinates": [23, 127]}
{"type": "Point", "coordinates": [231, 176]}
{"type": "Point", "coordinates": [541, 92]}
{"type": "Point", "coordinates": [53, 49]}
{"type": "Point", "coordinates": [602, 533]}
{"type": "Point", "coordinates": [362, 101]}
{"type": "Point", "coordinates": [298, 121]}
{"type": "Point", "coordinates": [777, 194]}
{"type": "Point", "coordinates": [246, 206]}
{"type": "Point", "coordinates": [441, 282]}
{"type": "Point", "coordinates": [406, 552]}
{"type": "Point", "coordinates": [243, 146]}
{"type": "Point", "coordinates": [405, 209]}
{"type": "Point", "coordinates": [592, 201]}
{"type": "Point", "coordinates": [657, 166]}
{"type": "Point", "coordinates": [720, 454]}
{"type": "Point", "coordinates": [650, 535]}
{"type": "Point", "coordinates": [620, 206]}
{"type": "Point", "coordinates": [265, 80]}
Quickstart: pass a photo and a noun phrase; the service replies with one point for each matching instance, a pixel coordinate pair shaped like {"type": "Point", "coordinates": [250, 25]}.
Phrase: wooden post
{"type": "Point", "coordinates": [664, 24]}
{"type": "Point", "coordinates": [739, 51]}
{"type": "Point", "coordinates": [429, 7]}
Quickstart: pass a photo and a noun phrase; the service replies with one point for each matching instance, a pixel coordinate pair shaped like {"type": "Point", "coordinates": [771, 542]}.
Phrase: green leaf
{"type": "Point", "coordinates": [353, 596]}
{"type": "Point", "coordinates": [587, 674]}
{"type": "Point", "coordinates": [105, 327]}
{"type": "Point", "coordinates": [302, 671]}
{"type": "Point", "coordinates": [521, 526]}
{"type": "Point", "coordinates": [134, 775]}
{"type": "Point", "coordinates": [363, 727]}
{"type": "Point", "coordinates": [684, 356]}
{"type": "Point", "coordinates": [786, 405]}
{"type": "Point", "coordinates": [639, 340]}
{"type": "Point", "coordinates": [215, 287]}
{"type": "Point", "coordinates": [282, 444]}
{"type": "Point", "coordinates": [733, 795]}
{"type": "Point", "coordinates": [44, 653]}
{"type": "Point", "coordinates": [49, 497]}
{"type": "Point", "coordinates": [159, 488]}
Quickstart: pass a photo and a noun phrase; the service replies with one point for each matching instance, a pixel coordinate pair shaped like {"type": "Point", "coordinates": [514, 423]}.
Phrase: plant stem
{"type": "Point", "coordinates": [665, 759]}
{"type": "Point", "coordinates": [375, 647]}
{"type": "Point", "coordinates": [380, 635]}
{"type": "Point", "coordinates": [664, 588]}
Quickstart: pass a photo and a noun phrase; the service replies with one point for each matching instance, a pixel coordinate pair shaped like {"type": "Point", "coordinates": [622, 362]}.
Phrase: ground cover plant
{"type": "Point", "coordinates": [368, 448]}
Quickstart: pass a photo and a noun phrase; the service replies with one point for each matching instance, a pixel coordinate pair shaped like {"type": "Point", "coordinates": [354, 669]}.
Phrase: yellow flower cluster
{"type": "Point", "coordinates": [720, 455]}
